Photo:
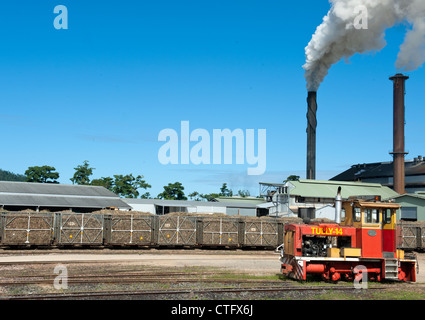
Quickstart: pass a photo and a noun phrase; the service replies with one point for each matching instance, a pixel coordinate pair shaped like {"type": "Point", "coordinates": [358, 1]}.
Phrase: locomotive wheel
{"type": "Point", "coordinates": [336, 276]}
{"type": "Point", "coordinates": [358, 277]}
{"type": "Point", "coordinates": [401, 275]}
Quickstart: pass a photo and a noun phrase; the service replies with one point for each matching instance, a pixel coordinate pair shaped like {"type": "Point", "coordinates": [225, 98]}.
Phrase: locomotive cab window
{"type": "Point", "coordinates": [386, 216]}
{"type": "Point", "coordinates": [371, 216]}
{"type": "Point", "coordinates": [357, 215]}
{"type": "Point", "coordinates": [342, 215]}
{"type": "Point", "coordinates": [375, 216]}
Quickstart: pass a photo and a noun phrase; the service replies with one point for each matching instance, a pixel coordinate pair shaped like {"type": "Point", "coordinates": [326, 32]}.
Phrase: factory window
{"type": "Point", "coordinates": [300, 199]}
{"type": "Point", "coordinates": [357, 214]}
{"type": "Point", "coordinates": [409, 213]}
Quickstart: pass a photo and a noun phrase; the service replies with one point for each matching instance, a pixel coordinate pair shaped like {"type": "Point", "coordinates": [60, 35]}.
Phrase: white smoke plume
{"type": "Point", "coordinates": [358, 26]}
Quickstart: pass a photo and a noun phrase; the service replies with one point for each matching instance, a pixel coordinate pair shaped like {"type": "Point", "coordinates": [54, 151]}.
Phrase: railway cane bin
{"type": "Point", "coordinates": [176, 229]}
{"type": "Point", "coordinates": [80, 229]}
{"type": "Point", "coordinates": [219, 231]}
{"type": "Point", "coordinates": [261, 232]}
{"type": "Point", "coordinates": [130, 229]}
{"type": "Point", "coordinates": [27, 228]}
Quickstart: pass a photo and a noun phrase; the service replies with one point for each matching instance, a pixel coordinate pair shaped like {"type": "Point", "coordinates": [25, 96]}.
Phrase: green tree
{"type": "Point", "coordinates": [225, 191]}
{"type": "Point", "coordinates": [292, 178]}
{"type": "Point", "coordinates": [106, 182]}
{"type": "Point", "coordinates": [146, 195]}
{"type": "Point", "coordinates": [10, 176]}
{"type": "Point", "coordinates": [82, 174]}
{"type": "Point", "coordinates": [44, 174]}
{"type": "Point", "coordinates": [127, 186]}
{"type": "Point", "coordinates": [210, 196]}
{"type": "Point", "coordinates": [194, 196]}
{"type": "Point", "coordinates": [243, 193]}
{"type": "Point", "coordinates": [173, 191]}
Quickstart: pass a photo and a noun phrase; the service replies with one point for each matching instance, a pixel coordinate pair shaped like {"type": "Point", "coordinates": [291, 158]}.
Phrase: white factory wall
{"type": "Point", "coordinates": [211, 209]}
{"type": "Point", "coordinates": [143, 207]}
{"type": "Point", "coordinates": [168, 206]}
{"type": "Point", "coordinates": [252, 212]}
{"type": "Point", "coordinates": [326, 212]}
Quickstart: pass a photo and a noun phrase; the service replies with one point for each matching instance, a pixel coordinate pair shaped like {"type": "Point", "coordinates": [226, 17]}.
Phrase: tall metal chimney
{"type": "Point", "coordinates": [399, 81]}
{"type": "Point", "coordinates": [311, 135]}
{"type": "Point", "coordinates": [338, 206]}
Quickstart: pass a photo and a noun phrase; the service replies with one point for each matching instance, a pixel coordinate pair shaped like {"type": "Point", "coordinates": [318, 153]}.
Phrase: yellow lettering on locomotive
{"type": "Point", "coordinates": [326, 231]}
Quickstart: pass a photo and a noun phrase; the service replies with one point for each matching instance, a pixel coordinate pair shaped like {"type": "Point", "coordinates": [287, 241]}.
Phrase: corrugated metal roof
{"type": "Point", "coordinates": [328, 189]}
{"type": "Point", "coordinates": [413, 195]}
{"type": "Point", "coordinates": [56, 195]}
{"type": "Point", "coordinates": [54, 188]}
{"type": "Point", "coordinates": [247, 202]}
{"type": "Point", "coordinates": [379, 170]}
{"type": "Point", "coordinates": [265, 205]}
{"type": "Point", "coordinates": [63, 201]}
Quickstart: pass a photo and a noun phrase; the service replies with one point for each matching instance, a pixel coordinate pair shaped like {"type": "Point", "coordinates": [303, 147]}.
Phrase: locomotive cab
{"type": "Point", "coordinates": [375, 224]}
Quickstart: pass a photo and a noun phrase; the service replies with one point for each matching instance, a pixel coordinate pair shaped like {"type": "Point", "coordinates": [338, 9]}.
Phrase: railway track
{"type": "Point", "coordinates": [178, 292]}
{"type": "Point", "coordinates": [147, 285]}
{"type": "Point", "coordinates": [94, 280]}
{"type": "Point", "coordinates": [132, 277]}
{"type": "Point", "coordinates": [138, 282]}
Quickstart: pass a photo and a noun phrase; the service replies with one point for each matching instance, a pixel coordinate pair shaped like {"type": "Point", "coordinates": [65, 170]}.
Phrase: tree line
{"type": "Point", "coordinates": [127, 186]}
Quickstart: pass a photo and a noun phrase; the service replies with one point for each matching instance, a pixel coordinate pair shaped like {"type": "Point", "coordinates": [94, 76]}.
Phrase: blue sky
{"type": "Point", "coordinates": [125, 70]}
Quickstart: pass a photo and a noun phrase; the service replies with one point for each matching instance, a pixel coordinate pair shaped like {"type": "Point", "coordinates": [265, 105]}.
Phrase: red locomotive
{"type": "Point", "coordinates": [363, 239]}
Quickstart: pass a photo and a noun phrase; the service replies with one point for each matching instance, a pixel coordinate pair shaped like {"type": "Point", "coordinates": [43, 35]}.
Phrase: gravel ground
{"type": "Point", "coordinates": [252, 262]}
{"type": "Point", "coordinates": [420, 277]}
{"type": "Point", "coordinates": [256, 263]}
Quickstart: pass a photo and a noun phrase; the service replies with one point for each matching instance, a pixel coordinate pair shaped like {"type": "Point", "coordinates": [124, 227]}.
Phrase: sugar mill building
{"type": "Point", "coordinates": [161, 207]}
{"type": "Point", "coordinates": [229, 206]}
{"type": "Point", "coordinates": [412, 206]}
{"type": "Point", "coordinates": [383, 172]}
{"type": "Point", "coordinates": [315, 198]}
{"type": "Point", "coordinates": [15, 196]}
{"type": "Point", "coordinates": [247, 206]}
{"type": "Point", "coordinates": [18, 196]}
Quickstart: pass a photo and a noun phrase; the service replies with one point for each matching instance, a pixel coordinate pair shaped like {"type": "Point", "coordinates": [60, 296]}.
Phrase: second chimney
{"type": "Point", "coordinates": [399, 81]}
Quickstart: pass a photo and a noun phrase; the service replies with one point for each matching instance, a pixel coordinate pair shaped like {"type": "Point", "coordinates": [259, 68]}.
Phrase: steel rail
{"type": "Point", "coordinates": [111, 294]}
{"type": "Point", "coordinates": [134, 280]}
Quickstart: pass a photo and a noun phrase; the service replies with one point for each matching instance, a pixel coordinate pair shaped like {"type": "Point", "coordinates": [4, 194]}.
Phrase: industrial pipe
{"type": "Point", "coordinates": [338, 206]}
{"type": "Point", "coordinates": [399, 81]}
{"type": "Point", "coordinates": [311, 135]}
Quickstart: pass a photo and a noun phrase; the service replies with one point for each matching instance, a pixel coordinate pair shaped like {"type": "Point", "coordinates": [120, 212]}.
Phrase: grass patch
{"type": "Point", "coordinates": [398, 295]}
{"type": "Point", "coordinates": [244, 276]}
